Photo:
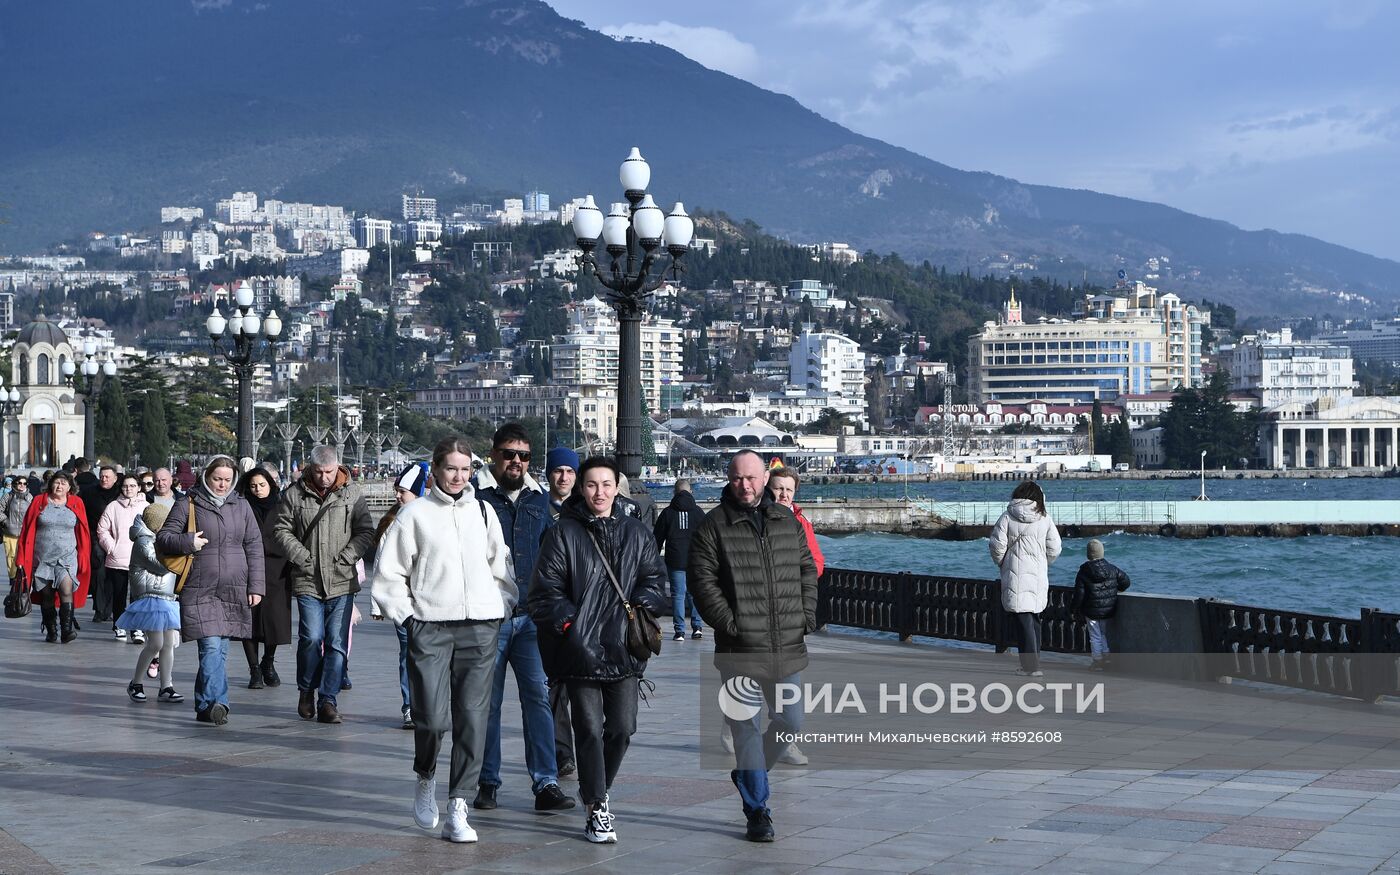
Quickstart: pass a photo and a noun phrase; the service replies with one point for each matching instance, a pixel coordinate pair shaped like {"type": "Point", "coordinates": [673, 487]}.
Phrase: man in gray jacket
{"type": "Point", "coordinates": [323, 527]}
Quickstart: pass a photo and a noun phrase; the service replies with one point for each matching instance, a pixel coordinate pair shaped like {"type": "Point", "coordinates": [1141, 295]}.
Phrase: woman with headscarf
{"type": "Point", "coordinates": [272, 618]}
{"type": "Point", "coordinates": [226, 582]}
{"type": "Point", "coordinates": [1023, 543]}
{"type": "Point", "coordinates": [55, 550]}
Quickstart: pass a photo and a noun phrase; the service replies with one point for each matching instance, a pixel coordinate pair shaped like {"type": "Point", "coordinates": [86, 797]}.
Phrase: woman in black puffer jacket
{"type": "Point", "coordinates": [582, 632]}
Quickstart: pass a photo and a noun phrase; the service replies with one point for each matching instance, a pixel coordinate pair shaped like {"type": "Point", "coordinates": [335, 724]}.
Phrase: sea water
{"type": "Point", "coordinates": [1320, 574]}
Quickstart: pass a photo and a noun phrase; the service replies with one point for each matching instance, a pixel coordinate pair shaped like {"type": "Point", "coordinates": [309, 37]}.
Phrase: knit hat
{"type": "Point", "coordinates": [1095, 549]}
{"type": "Point", "coordinates": [413, 479]}
{"type": "Point", "coordinates": [561, 457]}
{"type": "Point", "coordinates": [154, 516]}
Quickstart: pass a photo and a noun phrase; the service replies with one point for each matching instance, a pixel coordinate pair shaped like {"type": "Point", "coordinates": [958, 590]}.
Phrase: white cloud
{"type": "Point", "coordinates": [710, 46]}
{"type": "Point", "coordinates": [950, 40]}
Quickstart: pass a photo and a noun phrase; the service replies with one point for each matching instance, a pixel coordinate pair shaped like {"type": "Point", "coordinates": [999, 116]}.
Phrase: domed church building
{"type": "Point", "coordinates": [43, 426]}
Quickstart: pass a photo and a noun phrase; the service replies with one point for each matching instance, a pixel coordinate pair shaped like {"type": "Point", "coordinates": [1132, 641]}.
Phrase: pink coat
{"type": "Point", "coordinates": [114, 530]}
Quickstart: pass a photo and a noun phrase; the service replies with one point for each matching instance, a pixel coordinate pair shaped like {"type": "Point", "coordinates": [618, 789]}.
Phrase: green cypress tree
{"type": "Point", "coordinates": [113, 424]}
{"type": "Point", "coordinates": [153, 443]}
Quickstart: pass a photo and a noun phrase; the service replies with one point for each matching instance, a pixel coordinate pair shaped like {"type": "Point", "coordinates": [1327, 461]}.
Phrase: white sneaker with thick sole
{"type": "Point", "coordinates": [138, 637]}
{"type": "Point", "coordinates": [119, 634]}
{"type": "Point", "coordinates": [425, 810]}
{"type": "Point", "coordinates": [601, 827]}
{"type": "Point", "coordinates": [456, 829]}
{"type": "Point", "coordinates": [792, 756]}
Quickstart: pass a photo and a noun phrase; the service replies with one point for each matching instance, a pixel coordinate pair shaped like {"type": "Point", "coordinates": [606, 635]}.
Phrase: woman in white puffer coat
{"type": "Point", "coordinates": [1023, 543]}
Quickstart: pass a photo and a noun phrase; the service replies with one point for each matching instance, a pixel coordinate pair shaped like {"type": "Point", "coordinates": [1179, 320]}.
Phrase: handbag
{"type": "Point", "coordinates": [643, 630]}
{"type": "Point", "coordinates": [18, 602]}
{"type": "Point", "coordinates": [182, 564]}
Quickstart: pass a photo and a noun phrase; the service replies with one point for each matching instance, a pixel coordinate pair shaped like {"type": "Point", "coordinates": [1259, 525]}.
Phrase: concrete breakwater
{"type": "Point", "coordinates": [1163, 474]}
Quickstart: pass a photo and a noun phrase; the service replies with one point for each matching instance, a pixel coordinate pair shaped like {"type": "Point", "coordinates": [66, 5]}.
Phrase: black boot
{"type": "Point", "coordinates": [65, 623]}
{"type": "Point", "coordinates": [50, 621]}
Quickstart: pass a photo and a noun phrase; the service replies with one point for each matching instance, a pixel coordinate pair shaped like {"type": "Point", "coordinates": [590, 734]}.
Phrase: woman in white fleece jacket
{"type": "Point", "coordinates": [443, 572]}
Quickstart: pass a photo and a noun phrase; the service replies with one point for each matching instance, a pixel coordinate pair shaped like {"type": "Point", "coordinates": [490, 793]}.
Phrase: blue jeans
{"type": "Point", "coordinates": [323, 628]}
{"type": "Point", "coordinates": [754, 748]}
{"type": "Point", "coordinates": [403, 661]}
{"type": "Point", "coordinates": [211, 681]}
{"type": "Point", "coordinates": [1098, 636]}
{"type": "Point", "coordinates": [517, 645]}
{"type": "Point", "coordinates": [682, 603]}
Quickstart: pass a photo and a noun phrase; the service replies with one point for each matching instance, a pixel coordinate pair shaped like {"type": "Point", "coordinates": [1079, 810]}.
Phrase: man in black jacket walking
{"type": "Point", "coordinates": [755, 583]}
{"type": "Point", "coordinates": [672, 531]}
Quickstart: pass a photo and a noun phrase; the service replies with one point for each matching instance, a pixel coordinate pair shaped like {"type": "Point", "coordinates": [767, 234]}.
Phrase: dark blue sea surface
{"type": "Point", "coordinates": [1321, 574]}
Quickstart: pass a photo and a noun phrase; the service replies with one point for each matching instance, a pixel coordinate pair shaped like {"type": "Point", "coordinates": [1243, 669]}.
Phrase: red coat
{"type": "Point", "coordinates": [811, 540]}
{"type": "Point", "coordinates": [24, 553]}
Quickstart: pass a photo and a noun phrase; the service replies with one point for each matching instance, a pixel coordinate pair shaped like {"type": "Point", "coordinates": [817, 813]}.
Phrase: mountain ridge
{"type": "Point", "coordinates": [352, 102]}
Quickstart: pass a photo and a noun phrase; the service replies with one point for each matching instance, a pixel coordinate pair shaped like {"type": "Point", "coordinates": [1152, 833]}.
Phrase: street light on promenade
{"type": "Point", "coordinates": [248, 337]}
{"type": "Point", "coordinates": [632, 233]}
{"type": "Point", "coordinates": [83, 377]}
{"type": "Point", "coordinates": [9, 406]}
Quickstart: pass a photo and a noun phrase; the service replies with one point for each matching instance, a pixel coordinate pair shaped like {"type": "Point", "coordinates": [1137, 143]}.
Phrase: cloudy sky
{"type": "Point", "coordinates": [1266, 114]}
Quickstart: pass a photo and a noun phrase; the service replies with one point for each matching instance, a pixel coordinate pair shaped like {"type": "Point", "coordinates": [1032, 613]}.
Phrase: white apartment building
{"type": "Point", "coordinates": [588, 354]}
{"type": "Point", "coordinates": [416, 208]}
{"type": "Point", "coordinates": [1130, 342]}
{"type": "Point", "coordinates": [238, 208]}
{"type": "Point", "coordinates": [1282, 370]}
{"type": "Point", "coordinates": [180, 214]}
{"type": "Point", "coordinates": [372, 232]}
{"type": "Point", "coordinates": [204, 246]}
{"type": "Point", "coordinates": [288, 288]}
{"type": "Point", "coordinates": [512, 211]}
{"type": "Point", "coordinates": [820, 295]}
{"type": "Point", "coordinates": [828, 362]}
{"type": "Point", "coordinates": [172, 242]}
{"type": "Point", "coordinates": [425, 231]}
{"type": "Point", "coordinates": [1380, 342]}
{"type": "Point", "coordinates": [354, 260]}
{"type": "Point", "coordinates": [537, 202]}
{"type": "Point", "coordinates": [264, 245]}
{"type": "Point", "coordinates": [790, 404]}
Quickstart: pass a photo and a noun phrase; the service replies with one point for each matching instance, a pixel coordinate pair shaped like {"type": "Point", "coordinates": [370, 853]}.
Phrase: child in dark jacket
{"type": "Point", "coordinates": [1096, 589]}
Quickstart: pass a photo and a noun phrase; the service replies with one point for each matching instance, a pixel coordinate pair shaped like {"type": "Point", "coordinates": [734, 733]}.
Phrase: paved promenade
{"type": "Point", "coordinates": [92, 782]}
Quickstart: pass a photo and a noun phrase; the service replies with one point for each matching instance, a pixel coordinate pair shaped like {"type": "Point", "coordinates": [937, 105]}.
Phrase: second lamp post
{"type": "Point", "coordinates": [248, 337]}
{"type": "Point", "coordinates": [88, 386]}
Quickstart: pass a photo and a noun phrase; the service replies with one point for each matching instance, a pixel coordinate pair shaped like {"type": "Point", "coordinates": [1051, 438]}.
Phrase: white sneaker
{"type": "Point", "coordinates": [792, 756]}
{"type": "Point", "coordinates": [138, 637]}
{"type": "Point", "coordinates": [456, 829]}
{"type": "Point", "coordinates": [425, 810]}
{"type": "Point", "coordinates": [119, 634]}
{"type": "Point", "coordinates": [726, 737]}
{"type": "Point", "coordinates": [600, 828]}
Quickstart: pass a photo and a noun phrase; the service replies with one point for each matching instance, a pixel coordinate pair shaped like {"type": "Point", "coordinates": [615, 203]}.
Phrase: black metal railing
{"type": "Point", "coordinates": [1341, 655]}
{"type": "Point", "coordinates": [952, 608]}
{"type": "Point", "coordinates": [1288, 648]}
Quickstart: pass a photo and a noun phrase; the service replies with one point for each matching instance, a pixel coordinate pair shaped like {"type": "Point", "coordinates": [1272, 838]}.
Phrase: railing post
{"type": "Point", "coordinates": [823, 601]}
{"type": "Point", "coordinates": [904, 606]}
{"type": "Point", "coordinates": [1374, 683]}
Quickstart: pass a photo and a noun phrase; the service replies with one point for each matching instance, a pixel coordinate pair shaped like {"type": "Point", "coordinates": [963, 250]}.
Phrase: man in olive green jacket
{"type": "Point", "coordinates": [754, 581]}
{"type": "Point", "coordinates": [323, 527]}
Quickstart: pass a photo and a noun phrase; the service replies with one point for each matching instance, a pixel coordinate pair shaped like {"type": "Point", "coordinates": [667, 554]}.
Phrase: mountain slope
{"type": "Point", "coordinates": [127, 106]}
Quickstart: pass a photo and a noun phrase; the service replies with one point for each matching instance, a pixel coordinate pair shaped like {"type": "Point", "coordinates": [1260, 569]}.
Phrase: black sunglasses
{"type": "Point", "coordinates": [148, 484]}
{"type": "Point", "coordinates": [508, 455]}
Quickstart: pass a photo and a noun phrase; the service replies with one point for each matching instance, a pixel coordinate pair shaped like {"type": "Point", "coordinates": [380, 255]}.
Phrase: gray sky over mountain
{"type": "Point", "coordinates": [1265, 114]}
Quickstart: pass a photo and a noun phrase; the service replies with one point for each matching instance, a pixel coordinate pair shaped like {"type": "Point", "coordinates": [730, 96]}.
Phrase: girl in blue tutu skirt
{"type": "Point", "coordinates": [154, 607]}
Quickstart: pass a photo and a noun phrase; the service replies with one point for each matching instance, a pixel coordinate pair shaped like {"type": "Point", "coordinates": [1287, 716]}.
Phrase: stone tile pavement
{"type": "Point", "coordinates": [92, 782]}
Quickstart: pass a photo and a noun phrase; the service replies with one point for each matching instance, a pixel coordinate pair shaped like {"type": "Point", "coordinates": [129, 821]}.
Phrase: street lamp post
{"type": "Point", "coordinates": [84, 378]}
{"type": "Point", "coordinates": [9, 406]}
{"type": "Point", "coordinates": [637, 230]}
{"type": "Point", "coordinates": [1202, 496]}
{"type": "Point", "coordinates": [248, 337]}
